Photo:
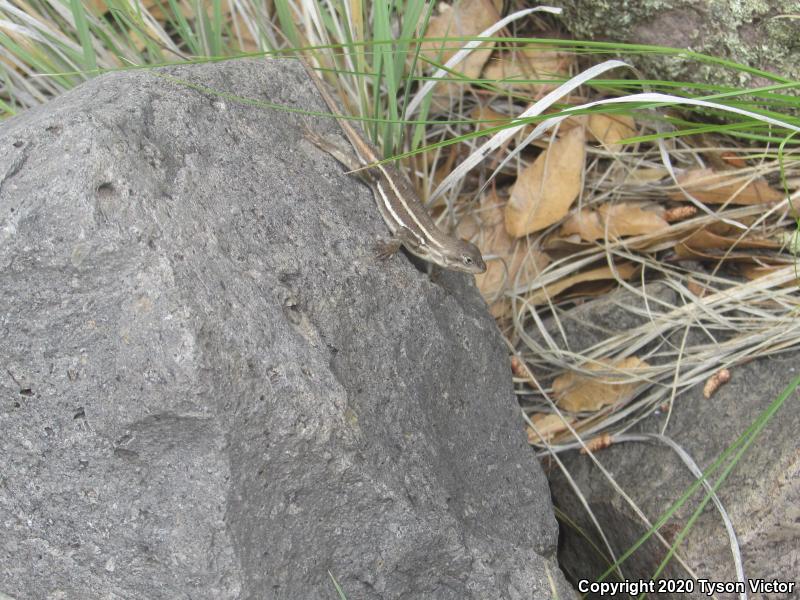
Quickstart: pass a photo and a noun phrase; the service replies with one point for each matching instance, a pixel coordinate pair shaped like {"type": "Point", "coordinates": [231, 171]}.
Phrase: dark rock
{"type": "Point", "coordinates": [583, 326]}
{"type": "Point", "coordinates": [210, 387]}
{"type": "Point", "coordinates": [762, 494]}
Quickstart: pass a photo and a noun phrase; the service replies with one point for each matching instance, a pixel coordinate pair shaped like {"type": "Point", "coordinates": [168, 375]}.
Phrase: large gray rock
{"type": "Point", "coordinates": [762, 34]}
{"type": "Point", "coordinates": [762, 494]}
{"type": "Point", "coordinates": [210, 387]}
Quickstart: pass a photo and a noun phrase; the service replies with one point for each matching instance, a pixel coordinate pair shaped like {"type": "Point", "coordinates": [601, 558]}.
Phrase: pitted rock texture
{"type": "Point", "coordinates": [212, 389]}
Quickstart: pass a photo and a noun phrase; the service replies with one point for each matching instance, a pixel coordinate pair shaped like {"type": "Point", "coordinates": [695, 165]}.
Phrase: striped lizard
{"type": "Point", "coordinates": [405, 216]}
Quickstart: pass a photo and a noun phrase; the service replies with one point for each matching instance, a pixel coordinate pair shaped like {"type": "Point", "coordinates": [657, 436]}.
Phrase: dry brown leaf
{"type": "Point", "coordinates": [614, 220]}
{"type": "Point", "coordinates": [486, 118]}
{"type": "Point", "coordinates": [624, 270]}
{"type": "Point", "coordinates": [463, 19]}
{"type": "Point", "coordinates": [568, 124]}
{"type": "Point", "coordinates": [514, 262]}
{"type": "Point", "coordinates": [585, 224]}
{"type": "Point", "coordinates": [547, 426]}
{"type": "Point", "coordinates": [646, 175]}
{"type": "Point", "coordinates": [704, 239]}
{"type": "Point", "coordinates": [754, 271]}
{"type": "Point", "coordinates": [707, 239]}
{"type": "Point", "coordinates": [560, 245]}
{"type": "Point", "coordinates": [718, 188]}
{"type": "Point", "coordinates": [697, 288]}
{"type": "Point", "coordinates": [627, 218]}
{"type": "Point", "coordinates": [610, 129]}
{"type": "Point", "coordinates": [515, 69]}
{"type": "Point", "coordinates": [733, 159]}
{"type": "Point", "coordinates": [545, 190]}
{"type": "Point", "coordinates": [723, 228]}
{"type": "Point", "coordinates": [577, 392]}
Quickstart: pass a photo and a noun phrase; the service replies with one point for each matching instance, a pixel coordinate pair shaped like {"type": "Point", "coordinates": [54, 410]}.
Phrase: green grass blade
{"type": "Point", "coordinates": [215, 29]}
{"type": "Point", "coordinates": [288, 28]}
{"type": "Point", "coordinates": [743, 442]}
{"type": "Point", "coordinates": [385, 72]}
{"type": "Point", "coordinates": [337, 586]}
{"type": "Point", "coordinates": [82, 28]}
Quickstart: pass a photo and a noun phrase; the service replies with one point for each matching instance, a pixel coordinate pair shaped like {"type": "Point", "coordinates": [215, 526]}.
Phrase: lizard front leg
{"type": "Point", "coordinates": [385, 249]}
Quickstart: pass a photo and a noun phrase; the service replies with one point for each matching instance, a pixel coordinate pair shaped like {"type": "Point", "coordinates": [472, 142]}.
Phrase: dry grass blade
{"type": "Point", "coordinates": [733, 323]}
{"type": "Point", "coordinates": [702, 237]}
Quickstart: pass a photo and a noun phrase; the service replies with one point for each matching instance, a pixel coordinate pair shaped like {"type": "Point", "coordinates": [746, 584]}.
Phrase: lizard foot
{"type": "Point", "coordinates": [385, 249]}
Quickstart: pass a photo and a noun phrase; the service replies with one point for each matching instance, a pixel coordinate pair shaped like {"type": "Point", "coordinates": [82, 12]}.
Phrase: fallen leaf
{"type": "Point", "coordinates": [585, 224]}
{"type": "Point", "coordinates": [520, 68]}
{"type": "Point", "coordinates": [695, 287]}
{"type": "Point", "coordinates": [570, 123]}
{"type": "Point", "coordinates": [628, 218]}
{"type": "Point", "coordinates": [545, 190]}
{"type": "Point", "coordinates": [615, 221]}
{"type": "Point", "coordinates": [755, 271]}
{"type": "Point", "coordinates": [733, 159]}
{"type": "Point", "coordinates": [719, 188]}
{"type": "Point", "coordinates": [561, 246]}
{"type": "Point", "coordinates": [649, 175]}
{"type": "Point", "coordinates": [463, 19]}
{"type": "Point", "coordinates": [578, 392]}
{"type": "Point", "coordinates": [541, 296]}
{"type": "Point", "coordinates": [486, 117]}
{"type": "Point", "coordinates": [704, 239]}
{"type": "Point", "coordinates": [513, 262]}
{"type": "Point", "coordinates": [723, 228]}
{"type": "Point", "coordinates": [547, 425]}
{"type": "Point", "coordinates": [610, 129]}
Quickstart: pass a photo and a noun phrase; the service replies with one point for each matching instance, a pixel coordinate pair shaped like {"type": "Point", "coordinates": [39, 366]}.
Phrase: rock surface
{"type": "Point", "coordinates": [210, 387]}
{"type": "Point", "coordinates": [762, 494]}
{"type": "Point", "coordinates": [759, 34]}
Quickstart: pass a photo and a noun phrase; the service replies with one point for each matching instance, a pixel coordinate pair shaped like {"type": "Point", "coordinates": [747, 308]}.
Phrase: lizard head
{"type": "Point", "coordinates": [465, 257]}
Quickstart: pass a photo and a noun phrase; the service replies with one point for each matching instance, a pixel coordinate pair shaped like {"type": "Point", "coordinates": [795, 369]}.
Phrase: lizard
{"type": "Point", "coordinates": [401, 209]}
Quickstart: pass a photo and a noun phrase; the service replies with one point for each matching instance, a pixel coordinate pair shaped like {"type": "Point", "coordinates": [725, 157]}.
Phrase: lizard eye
{"type": "Point", "coordinates": [467, 260]}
